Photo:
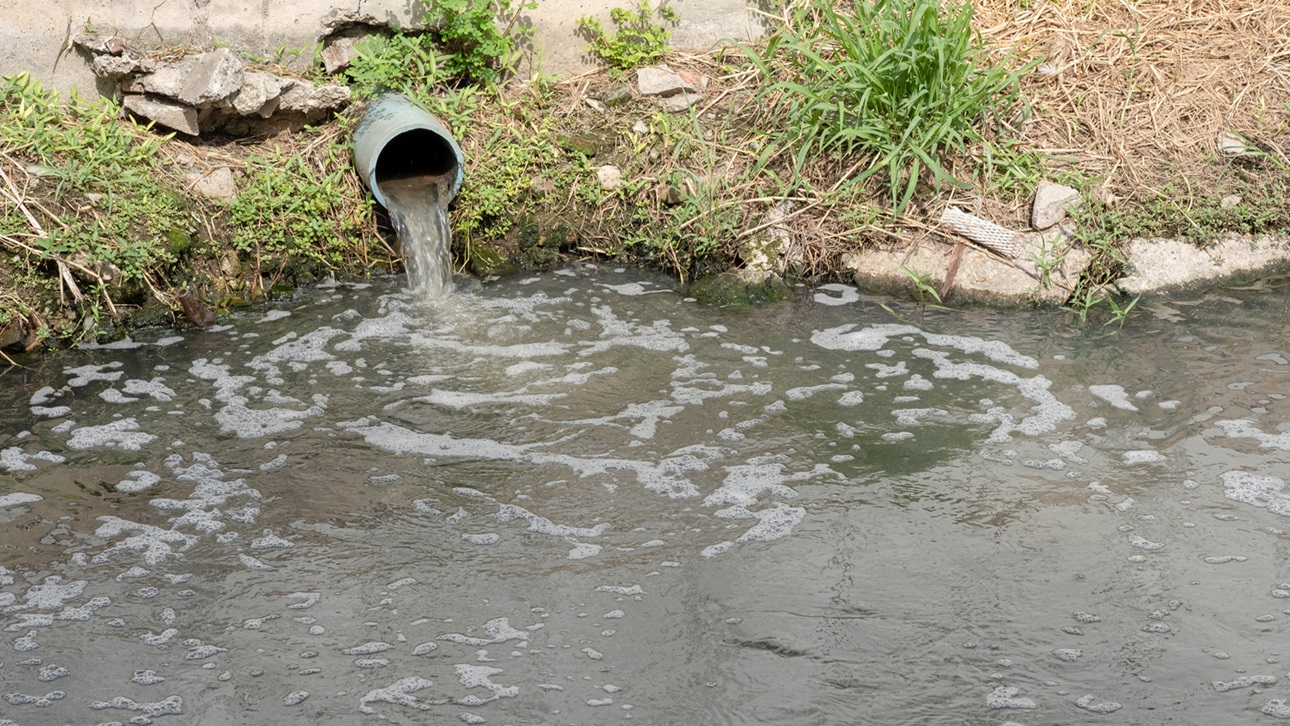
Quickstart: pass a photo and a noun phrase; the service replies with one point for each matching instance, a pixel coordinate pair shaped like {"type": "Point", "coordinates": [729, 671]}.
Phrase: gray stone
{"type": "Point", "coordinates": [171, 114]}
{"type": "Point", "coordinates": [258, 89]}
{"type": "Point", "coordinates": [1046, 271]}
{"type": "Point", "coordinates": [765, 251]}
{"type": "Point", "coordinates": [663, 81]}
{"type": "Point", "coordinates": [740, 288]}
{"type": "Point", "coordinates": [302, 97]}
{"type": "Point", "coordinates": [1232, 144]}
{"type": "Point", "coordinates": [610, 176]}
{"type": "Point", "coordinates": [680, 101]}
{"type": "Point", "coordinates": [216, 184]}
{"type": "Point", "coordinates": [1229, 201]}
{"type": "Point", "coordinates": [198, 80]}
{"type": "Point", "coordinates": [1161, 265]}
{"type": "Point", "coordinates": [1052, 203]}
{"type": "Point", "coordinates": [338, 53]}
{"type": "Point", "coordinates": [211, 77]}
{"type": "Point", "coordinates": [167, 80]}
{"type": "Point", "coordinates": [117, 67]}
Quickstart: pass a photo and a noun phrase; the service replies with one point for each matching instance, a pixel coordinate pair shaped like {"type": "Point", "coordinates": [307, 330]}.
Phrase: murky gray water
{"type": "Point", "coordinates": [578, 499]}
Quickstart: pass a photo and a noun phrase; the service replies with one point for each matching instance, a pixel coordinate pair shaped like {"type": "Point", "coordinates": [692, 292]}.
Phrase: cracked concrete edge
{"type": "Point", "coordinates": [1161, 266]}
{"type": "Point", "coordinates": [1156, 267]}
{"type": "Point", "coordinates": [34, 37]}
{"type": "Point", "coordinates": [1044, 274]}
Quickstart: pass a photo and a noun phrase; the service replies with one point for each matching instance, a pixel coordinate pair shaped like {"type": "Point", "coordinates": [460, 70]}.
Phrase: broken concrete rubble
{"type": "Point", "coordinates": [1052, 203]}
{"type": "Point", "coordinates": [1163, 265]}
{"type": "Point", "coordinates": [171, 114]}
{"type": "Point", "coordinates": [675, 91]}
{"type": "Point", "coordinates": [1045, 271]}
{"type": "Point", "coordinates": [210, 90]}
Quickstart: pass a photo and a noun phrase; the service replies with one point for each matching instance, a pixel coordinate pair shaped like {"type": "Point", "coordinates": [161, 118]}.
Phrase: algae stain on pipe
{"type": "Point", "coordinates": [414, 167]}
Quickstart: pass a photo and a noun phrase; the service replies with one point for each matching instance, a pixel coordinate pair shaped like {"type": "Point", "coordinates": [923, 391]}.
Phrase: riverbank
{"type": "Point", "coordinates": [1148, 123]}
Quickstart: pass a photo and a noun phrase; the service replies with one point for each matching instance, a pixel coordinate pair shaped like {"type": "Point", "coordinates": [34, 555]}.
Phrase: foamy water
{"type": "Point", "coordinates": [580, 498]}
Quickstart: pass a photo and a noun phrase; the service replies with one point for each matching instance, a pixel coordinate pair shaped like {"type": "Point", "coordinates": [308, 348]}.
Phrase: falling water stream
{"type": "Point", "coordinates": [418, 207]}
{"type": "Point", "coordinates": [580, 498]}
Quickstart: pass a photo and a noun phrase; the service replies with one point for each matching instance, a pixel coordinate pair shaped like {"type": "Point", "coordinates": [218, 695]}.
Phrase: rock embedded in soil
{"type": "Point", "coordinates": [610, 176]}
{"type": "Point", "coordinates": [171, 114]}
{"type": "Point", "coordinates": [218, 183]}
{"type": "Point", "coordinates": [675, 91]}
{"type": "Point", "coordinates": [1052, 203]}
{"type": "Point", "coordinates": [740, 288]}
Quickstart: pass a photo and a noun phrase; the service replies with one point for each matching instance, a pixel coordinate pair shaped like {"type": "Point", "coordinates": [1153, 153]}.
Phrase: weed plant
{"type": "Point", "coordinates": [89, 195]}
{"type": "Point", "coordinates": [294, 209]}
{"type": "Point", "coordinates": [636, 39]}
{"type": "Point", "coordinates": [897, 83]}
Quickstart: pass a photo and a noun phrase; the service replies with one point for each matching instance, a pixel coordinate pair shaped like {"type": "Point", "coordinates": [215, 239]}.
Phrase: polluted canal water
{"type": "Point", "coordinates": [580, 498]}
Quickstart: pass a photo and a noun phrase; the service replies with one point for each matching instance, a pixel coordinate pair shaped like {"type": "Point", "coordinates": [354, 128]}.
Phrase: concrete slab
{"type": "Point", "coordinates": [1164, 265]}
{"type": "Point", "coordinates": [981, 276]}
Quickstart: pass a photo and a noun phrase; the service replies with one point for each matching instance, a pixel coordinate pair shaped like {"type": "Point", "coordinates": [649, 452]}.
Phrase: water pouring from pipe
{"type": "Point", "coordinates": [413, 166]}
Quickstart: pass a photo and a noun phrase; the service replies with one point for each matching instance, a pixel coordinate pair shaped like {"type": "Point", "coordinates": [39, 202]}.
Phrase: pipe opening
{"type": "Point", "coordinates": [415, 153]}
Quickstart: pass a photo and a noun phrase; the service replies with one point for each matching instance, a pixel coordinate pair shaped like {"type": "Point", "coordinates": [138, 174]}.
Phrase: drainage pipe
{"type": "Point", "coordinates": [397, 139]}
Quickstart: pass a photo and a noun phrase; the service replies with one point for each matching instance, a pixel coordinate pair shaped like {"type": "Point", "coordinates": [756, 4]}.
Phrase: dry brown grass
{"type": "Point", "coordinates": [1138, 90]}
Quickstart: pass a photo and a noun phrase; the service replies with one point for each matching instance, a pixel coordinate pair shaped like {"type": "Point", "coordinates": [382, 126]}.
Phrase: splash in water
{"type": "Point", "coordinates": [419, 210]}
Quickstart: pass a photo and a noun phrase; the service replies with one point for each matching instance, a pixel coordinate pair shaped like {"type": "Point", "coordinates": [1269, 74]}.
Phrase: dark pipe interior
{"type": "Point", "coordinates": [419, 152]}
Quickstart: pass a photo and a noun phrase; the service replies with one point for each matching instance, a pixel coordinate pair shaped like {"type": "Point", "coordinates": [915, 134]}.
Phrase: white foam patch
{"type": "Point", "coordinates": [84, 375]}
{"type": "Point", "coordinates": [1260, 491]}
{"type": "Point", "coordinates": [657, 336]}
{"type": "Point", "coordinates": [745, 483]}
{"type": "Point", "coordinates": [398, 693]}
{"type": "Point", "coordinates": [466, 399]}
{"type": "Point", "coordinates": [121, 434]}
{"type": "Point", "coordinates": [583, 550]}
{"type": "Point", "coordinates": [479, 676]}
{"type": "Point", "coordinates": [874, 337]}
{"type": "Point", "coordinates": [1006, 697]}
{"type": "Point", "coordinates": [775, 523]}
{"type": "Point", "coordinates": [804, 392]}
{"type": "Point", "coordinates": [111, 395]}
{"type": "Point", "coordinates": [846, 294]}
{"type": "Point", "coordinates": [171, 706]}
{"type": "Point", "coordinates": [1048, 410]}
{"type": "Point", "coordinates": [667, 477]}
{"type": "Point", "coordinates": [1245, 429]}
{"type": "Point", "coordinates": [498, 630]}
{"type": "Point", "coordinates": [237, 418]}
{"type": "Point", "coordinates": [212, 499]}
{"type": "Point", "coordinates": [542, 525]}
{"type": "Point", "coordinates": [15, 459]}
{"type": "Point", "coordinates": [156, 388]}
{"type": "Point", "coordinates": [274, 315]}
{"type": "Point", "coordinates": [1114, 395]}
{"type": "Point", "coordinates": [43, 396]}
{"type": "Point", "coordinates": [1143, 456]}
{"type": "Point", "coordinates": [137, 481]}
{"type": "Point", "coordinates": [18, 498]}
{"type": "Point", "coordinates": [630, 289]}
{"type": "Point", "coordinates": [153, 543]}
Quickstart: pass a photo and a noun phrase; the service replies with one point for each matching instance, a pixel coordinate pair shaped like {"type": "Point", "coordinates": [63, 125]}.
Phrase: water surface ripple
{"type": "Point", "coordinates": [579, 498]}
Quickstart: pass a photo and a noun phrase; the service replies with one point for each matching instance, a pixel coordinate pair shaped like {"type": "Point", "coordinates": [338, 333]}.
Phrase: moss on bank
{"type": "Point", "coordinates": [105, 224]}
